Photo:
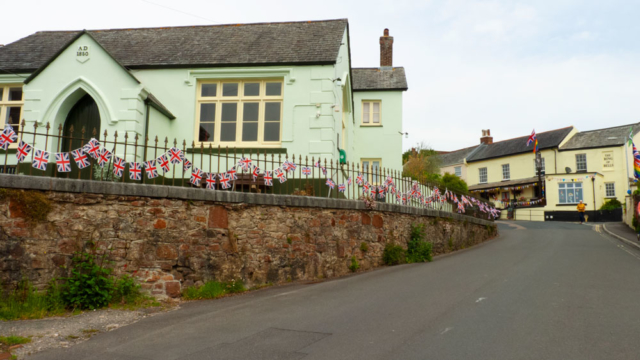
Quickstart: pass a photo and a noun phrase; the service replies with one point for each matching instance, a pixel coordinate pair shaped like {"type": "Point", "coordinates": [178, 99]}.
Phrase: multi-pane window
{"type": "Point", "coordinates": [506, 174]}
{"type": "Point", "coordinates": [581, 162]}
{"type": "Point", "coordinates": [609, 189]}
{"type": "Point", "coordinates": [10, 105]}
{"type": "Point", "coordinates": [569, 193]}
{"type": "Point", "coordinates": [483, 174]}
{"type": "Point", "coordinates": [371, 169]}
{"type": "Point", "coordinates": [458, 171]}
{"type": "Point", "coordinates": [371, 113]}
{"type": "Point", "coordinates": [245, 112]}
{"type": "Point", "coordinates": [535, 167]}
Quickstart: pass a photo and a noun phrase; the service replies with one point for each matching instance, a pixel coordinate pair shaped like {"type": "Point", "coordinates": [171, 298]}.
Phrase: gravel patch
{"type": "Point", "coordinates": [59, 332]}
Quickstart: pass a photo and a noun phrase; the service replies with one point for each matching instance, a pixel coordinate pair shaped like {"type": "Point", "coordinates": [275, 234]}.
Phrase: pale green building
{"type": "Point", "coordinates": [268, 87]}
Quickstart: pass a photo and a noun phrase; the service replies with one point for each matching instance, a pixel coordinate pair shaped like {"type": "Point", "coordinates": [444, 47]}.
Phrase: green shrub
{"type": "Point", "coordinates": [213, 290]}
{"type": "Point", "coordinates": [25, 302]}
{"type": "Point", "coordinates": [126, 289]}
{"type": "Point", "coordinates": [364, 247]}
{"type": "Point", "coordinates": [611, 204]}
{"type": "Point", "coordinates": [354, 264]}
{"type": "Point", "coordinates": [90, 285]}
{"type": "Point", "coordinates": [393, 254]}
{"type": "Point", "coordinates": [418, 250]}
{"type": "Point", "coordinates": [14, 340]}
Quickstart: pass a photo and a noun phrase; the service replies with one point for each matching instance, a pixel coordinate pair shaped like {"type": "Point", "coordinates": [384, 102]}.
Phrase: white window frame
{"type": "Point", "coordinates": [535, 168]}
{"type": "Point", "coordinates": [610, 189]}
{"type": "Point", "coordinates": [578, 162]}
{"type": "Point", "coordinates": [369, 119]}
{"type": "Point", "coordinates": [5, 104]}
{"type": "Point", "coordinates": [457, 170]}
{"type": "Point", "coordinates": [567, 186]}
{"type": "Point", "coordinates": [240, 99]}
{"type": "Point", "coordinates": [370, 177]}
{"type": "Point", "coordinates": [506, 172]}
{"type": "Point", "coordinates": [480, 175]}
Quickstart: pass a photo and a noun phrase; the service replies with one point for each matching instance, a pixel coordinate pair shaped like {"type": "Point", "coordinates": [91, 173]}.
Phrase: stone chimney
{"type": "Point", "coordinates": [486, 137]}
{"type": "Point", "coordinates": [386, 49]}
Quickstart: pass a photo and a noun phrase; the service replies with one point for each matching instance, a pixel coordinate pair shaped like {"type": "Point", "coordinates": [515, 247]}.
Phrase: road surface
{"type": "Point", "coordinates": [539, 291]}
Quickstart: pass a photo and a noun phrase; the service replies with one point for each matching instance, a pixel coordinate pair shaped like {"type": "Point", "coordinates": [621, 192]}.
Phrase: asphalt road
{"type": "Point", "coordinates": [540, 291]}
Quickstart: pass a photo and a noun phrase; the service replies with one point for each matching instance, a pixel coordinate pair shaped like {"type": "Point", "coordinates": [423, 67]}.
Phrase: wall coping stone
{"type": "Point", "coordinates": [173, 192]}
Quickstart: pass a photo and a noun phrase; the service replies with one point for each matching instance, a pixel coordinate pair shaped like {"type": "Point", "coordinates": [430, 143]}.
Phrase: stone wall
{"type": "Point", "coordinates": [170, 242]}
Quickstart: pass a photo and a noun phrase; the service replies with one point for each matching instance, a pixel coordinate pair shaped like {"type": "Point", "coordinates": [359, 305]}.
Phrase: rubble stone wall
{"type": "Point", "coordinates": [169, 242]}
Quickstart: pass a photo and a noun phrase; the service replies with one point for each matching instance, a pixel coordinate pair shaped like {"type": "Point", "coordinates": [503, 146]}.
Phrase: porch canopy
{"type": "Point", "coordinates": [503, 185]}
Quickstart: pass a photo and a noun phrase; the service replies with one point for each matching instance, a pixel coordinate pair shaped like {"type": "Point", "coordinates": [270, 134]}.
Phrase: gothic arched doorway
{"type": "Point", "coordinates": [84, 115]}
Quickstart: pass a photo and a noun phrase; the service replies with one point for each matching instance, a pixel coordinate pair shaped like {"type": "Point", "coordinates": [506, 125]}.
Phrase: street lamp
{"type": "Point", "coordinates": [406, 134]}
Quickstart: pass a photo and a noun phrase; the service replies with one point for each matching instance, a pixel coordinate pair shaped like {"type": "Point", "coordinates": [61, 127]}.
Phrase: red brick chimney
{"type": "Point", "coordinates": [386, 49]}
{"type": "Point", "coordinates": [486, 137]}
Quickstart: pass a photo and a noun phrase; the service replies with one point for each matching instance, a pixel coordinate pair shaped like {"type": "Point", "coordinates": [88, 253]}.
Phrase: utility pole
{"type": "Point", "coordinates": [539, 170]}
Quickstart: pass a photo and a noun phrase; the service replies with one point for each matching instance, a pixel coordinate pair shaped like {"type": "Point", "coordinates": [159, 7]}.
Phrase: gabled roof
{"type": "Point", "coordinates": [546, 140]}
{"type": "Point", "coordinates": [372, 79]}
{"type": "Point", "coordinates": [291, 43]}
{"type": "Point", "coordinates": [613, 136]}
{"type": "Point", "coordinates": [456, 157]}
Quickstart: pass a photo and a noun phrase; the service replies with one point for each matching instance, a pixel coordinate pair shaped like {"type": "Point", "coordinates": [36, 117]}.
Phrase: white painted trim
{"type": "Point", "coordinates": [13, 79]}
{"type": "Point", "coordinates": [224, 74]}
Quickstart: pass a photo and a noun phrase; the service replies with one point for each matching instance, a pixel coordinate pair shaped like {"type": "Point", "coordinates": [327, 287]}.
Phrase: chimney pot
{"type": "Point", "coordinates": [386, 49]}
{"type": "Point", "coordinates": [486, 137]}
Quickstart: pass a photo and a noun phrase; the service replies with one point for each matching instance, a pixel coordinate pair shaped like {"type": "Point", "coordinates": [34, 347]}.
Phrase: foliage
{"type": "Point", "coordinates": [14, 340]}
{"type": "Point", "coordinates": [636, 192]}
{"type": "Point", "coordinates": [354, 264]}
{"type": "Point", "coordinates": [126, 290]}
{"type": "Point", "coordinates": [25, 302]}
{"type": "Point", "coordinates": [611, 204]}
{"type": "Point", "coordinates": [421, 162]}
{"type": "Point", "coordinates": [105, 173]}
{"type": "Point", "coordinates": [213, 290]}
{"type": "Point", "coordinates": [364, 247]}
{"type": "Point", "coordinates": [393, 254]}
{"type": "Point", "coordinates": [636, 224]}
{"type": "Point", "coordinates": [90, 285]}
{"type": "Point", "coordinates": [418, 250]}
{"type": "Point", "coordinates": [453, 183]}
{"type": "Point", "coordinates": [33, 204]}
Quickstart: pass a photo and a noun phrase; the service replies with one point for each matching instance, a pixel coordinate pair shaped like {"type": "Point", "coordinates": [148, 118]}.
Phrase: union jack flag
{"type": "Point", "coordinates": [389, 180]}
{"type": "Point", "coordinates": [393, 189]}
{"type": "Point", "coordinates": [342, 188]}
{"type": "Point", "coordinates": [211, 181]}
{"type": "Point", "coordinates": [105, 156]}
{"type": "Point", "coordinates": [23, 150]}
{"type": "Point", "coordinates": [324, 170]}
{"type": "Point", "coordinates": [280, 175]}
{"type": "Point", "coordinates": [359, 180]}
{"type": "Point", "coordinates": [365, 188]}
{"type": "Point", "coordinates": [306, 171]}
{"type": "Point", "coordinates": [381, 192]}
{"type": "Point", "coordinates": [150, 169]}
{"type": "Point", "coordinates": [288, 166]}
{"type": "Point", "coordinates": [187, 165]}
{"type": "Point", "coordinates": [349, 181]}
{"type": "Point", "coordinates": [460, 207]}
{"type": "Point", "coordinates": [256, 173]}
{"type": "Point", "coordinates": [330, 183]}
{"type": "Point", "coordinates": [196, 176]}
{"type": "Point", "coordinates": [404, 199]}
{"type": "Point", "coordinates": [532, 137]}
{"type": "Point", "coordinates": [163, 162]}
{"type": "Point", "coordinates": [268, 179]}
{"type": "Point", "coordinates": [398, 197]}
{"type": "Point", "coordinates": [317, 163]}
{"type": "Point", "coordinates": [40, 160]}
{"type": "Point", "coordinates": [118, 166]}
{"type": "Point", "coordinates": [80, 158]}
{"type": "Point", "coordinates": [63, 162]}
{"type": "Point", "coordinates": [245, 163]}
{"type": "Point", "coordinates": [135, 171]}
{"type": "Point", "coordinates": [7, 137]}
{"type": "Point", "coordinates": [93, 148]}
{"type": "Point", "coordinates": [175, 155]}
{"type": "Point", "coordinates": [232, 174]}
{"type": "Point", "coordinates": [225, 180]}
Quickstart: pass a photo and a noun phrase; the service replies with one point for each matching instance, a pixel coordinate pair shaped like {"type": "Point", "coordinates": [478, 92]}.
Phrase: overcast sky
{"type": "Point", "coordinates": [471, 65]}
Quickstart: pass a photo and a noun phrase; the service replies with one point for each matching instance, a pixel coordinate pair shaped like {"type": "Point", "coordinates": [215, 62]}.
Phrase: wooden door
{"type": "Point", "coordinates": [84, 115]}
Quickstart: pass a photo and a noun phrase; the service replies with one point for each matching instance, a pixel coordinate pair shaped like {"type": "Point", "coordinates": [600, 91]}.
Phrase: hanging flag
{"type": "Point", "coordinates": [187, 165]}
{"type": "Point", "coordinates": [23, 150]}
{"type": "Point", "coordinates": [150, 169]}
{"type": "Point", "coordinates": [268, 179]}
{"type": "Point", "coordinates": [93, 148]}
{"type": "Point", "coordinates": [306, 171]}
{"type": "Point", "coordinates": [232, 174]}
{"type": "Point", "coordinates": [636, 162]}
{"type": "Point", "coordinates": [324, 170]}
{"type": "Point", "coordinates": [245, 163]}
{"type": "Point", "coordinates": [291, 166]}
{"type": "Point", "coordinates": [118, 166]}
{"type": "Point", "coordinates": [317, 163]}
{"type": "Point", "coordinates": [196, 176]}
{"type": "Point", "coordinates": [40, 160]}
{"type": "Point", "coordinates": [256, 173]}
{"type": "Point", "coordinates": [535, 147]}
{"type": "Point", "coordinates": [135, 171]}
{"type": "Point", "coordinates": [342, 188]}
{"type": "Point", "coordinates": [330, 183]}
{"type": "Point", "coordinates": [7, 137]}
{"type": "Point", "coordinates": [532, 137]}
{"type": "Point", "coordinates": [359, 180]}
{"type": "Point", "coordinates": [104, 157]}
{"type": "Point", "coordinates": [225, 180]}
{"type": "Point", "coordinates": [62, 162]}
{"type": "Point", "coordinates": [175, 155]}
{"type": "Point", "coordinates": [211, 181]}
{"type": "Point", "coordinates": [163, 162]}
{"type": "Point", "coordinates": [280, 175]}
{"type": "Point", "coordinates": [365, 187]}
{"type": "Point", "coordinates": [349, 181]}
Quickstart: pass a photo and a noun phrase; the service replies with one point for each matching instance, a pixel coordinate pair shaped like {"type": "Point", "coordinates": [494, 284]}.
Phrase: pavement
{"type": "Point", "coordinates": [622, 232]}
{"type": "Point", "coordinates": [542, 290]}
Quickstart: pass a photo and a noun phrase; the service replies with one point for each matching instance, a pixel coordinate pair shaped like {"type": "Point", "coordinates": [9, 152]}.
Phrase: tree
{"type": "Point", "coordinates": [422, 163]}
{"type": "Point", "coordinates": [454, 183]}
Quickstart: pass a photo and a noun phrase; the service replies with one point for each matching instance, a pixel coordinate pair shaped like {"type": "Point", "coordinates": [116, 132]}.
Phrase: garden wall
{"type": "Point", "coordinates": [175, 237]}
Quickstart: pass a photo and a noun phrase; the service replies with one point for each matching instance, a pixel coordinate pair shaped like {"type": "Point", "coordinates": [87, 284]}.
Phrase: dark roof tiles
{"type": "Point", "coordinates": [614, 136]}
{"type": "Point", "coordinates": [370, 79]}
{"type": "Point", "coordinates": [308, 42]}
{"type": "Point", "coordinates": [455, 157]}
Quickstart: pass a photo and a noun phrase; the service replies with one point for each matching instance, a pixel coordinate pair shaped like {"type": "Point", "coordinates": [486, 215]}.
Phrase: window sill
{"type": "Point", "coordinates": [572, 204]}
{"type": "Point", "coordinates": [363, 125]}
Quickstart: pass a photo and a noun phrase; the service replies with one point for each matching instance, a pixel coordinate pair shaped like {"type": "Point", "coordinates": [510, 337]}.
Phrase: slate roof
{"type": "Point", "coordinates": [546, 140]}
{"type": "Point", "coordinates": [294, 43]}
{"type": "Point", "coordinates": [456, 157]}
{"type": "Point", "coordinates": [613, 136]}
{"type": "Point", "coordinates": [371, 79]}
